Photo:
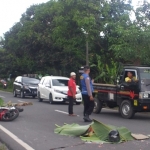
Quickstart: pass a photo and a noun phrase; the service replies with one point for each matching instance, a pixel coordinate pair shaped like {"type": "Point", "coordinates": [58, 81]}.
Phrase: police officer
{"type": "Point", "coordinates": [87, 90]}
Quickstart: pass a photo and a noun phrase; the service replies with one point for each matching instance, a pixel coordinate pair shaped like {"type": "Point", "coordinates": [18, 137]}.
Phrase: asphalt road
{"type": "Point", "coordinates": [35, 126]}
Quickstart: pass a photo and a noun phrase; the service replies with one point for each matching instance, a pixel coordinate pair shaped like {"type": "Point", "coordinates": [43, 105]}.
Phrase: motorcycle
{"type": "Point", "coordinates": [4, 83]}
{"type": "Point", "coordinates": [9, 113]}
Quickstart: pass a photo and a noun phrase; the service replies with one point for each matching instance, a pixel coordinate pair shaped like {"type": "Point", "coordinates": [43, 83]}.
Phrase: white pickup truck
{"type": "Point", "coordinates": [54, 89]}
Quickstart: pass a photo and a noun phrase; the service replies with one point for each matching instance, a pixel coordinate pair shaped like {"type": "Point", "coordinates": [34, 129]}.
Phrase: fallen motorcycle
{"type": "Point", "coordinates": [9, 113]}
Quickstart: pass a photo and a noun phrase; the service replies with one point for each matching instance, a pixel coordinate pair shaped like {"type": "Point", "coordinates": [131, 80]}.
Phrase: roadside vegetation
{"type": "Point", "coordinates": [50, 38]}
{"type": "Point", "coordinates": [9, 87]}
{"type": "Point", "coordinates": [3, 147]}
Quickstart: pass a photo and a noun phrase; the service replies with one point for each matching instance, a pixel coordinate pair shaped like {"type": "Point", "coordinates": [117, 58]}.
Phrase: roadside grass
{"type": "Point", "coordinates": [9, 87]}
{"type": "Point", "coordinates": [3, 147]}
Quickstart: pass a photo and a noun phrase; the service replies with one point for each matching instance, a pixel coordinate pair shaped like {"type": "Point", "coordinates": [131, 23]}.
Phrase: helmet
{"type": "Point", "coordinates": [114, 136]}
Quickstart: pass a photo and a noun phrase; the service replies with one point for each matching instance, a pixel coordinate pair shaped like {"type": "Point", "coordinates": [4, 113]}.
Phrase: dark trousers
{"type": "Point", "coordinates": [88, 105]}
{"type": "Point", "coordinates": [70, 106]}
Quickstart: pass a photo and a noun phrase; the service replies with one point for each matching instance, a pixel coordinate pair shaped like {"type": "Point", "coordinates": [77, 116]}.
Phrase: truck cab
{"type": "Point", "coordinates": [130, 97]}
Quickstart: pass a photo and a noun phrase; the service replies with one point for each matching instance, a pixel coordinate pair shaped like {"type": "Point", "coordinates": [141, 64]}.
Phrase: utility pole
{"type": "Point", "coordinates": [87, 46]}
{"type": "Point", "coordinates": [87, 51]}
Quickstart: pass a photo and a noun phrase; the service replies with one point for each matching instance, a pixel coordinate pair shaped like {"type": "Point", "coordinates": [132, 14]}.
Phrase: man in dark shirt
{"type": "Point", "coordinates": [71, 93]}
{"type": "Point", "coordinates": [87, 94]}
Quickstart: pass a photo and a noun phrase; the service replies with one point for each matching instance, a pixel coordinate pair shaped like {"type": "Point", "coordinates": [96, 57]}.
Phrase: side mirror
{"type": "Point", "coordinates": [48, 85]}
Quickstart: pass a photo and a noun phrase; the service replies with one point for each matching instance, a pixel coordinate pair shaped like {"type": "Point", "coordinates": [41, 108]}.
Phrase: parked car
{"type": "Point", "coordinates": [25, 86]}
{"type": "Point", "coordinates": [54, 89]}
{"type": "Point", "coordinates": [3, 83]}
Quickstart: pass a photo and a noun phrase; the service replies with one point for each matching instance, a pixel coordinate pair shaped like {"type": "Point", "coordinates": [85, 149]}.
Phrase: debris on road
{"type": "Point", "coordinates": [10, 104]}
{"type": "Point", "coordinates": [22, 103]}
{"type": "Point", "coordinates": [94, 132]}
{"type": "Point", "coordinates": [139, 136]}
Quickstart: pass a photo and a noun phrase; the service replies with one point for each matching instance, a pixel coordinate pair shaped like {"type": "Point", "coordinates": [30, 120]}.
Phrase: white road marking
{"type": "Point", "coordinates": [23, 144]}
{"type": "Point", "coordinates": [63, 112]}
{"type": "Point", "coordinates": [2, 96]}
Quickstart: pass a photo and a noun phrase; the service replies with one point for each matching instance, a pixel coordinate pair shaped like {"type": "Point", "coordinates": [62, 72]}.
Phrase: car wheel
{"type": "Point", "coordinates": [126, 109]}
{"type": "Point", "coordinates": [39, 97]}
{"type": "Point", "coordinates": [14, 93]}
{"type": "Point", "coordinates": [22, 94]}
{"type": "Point", "coordinates": [33, 96]}
{"type": "Point", "coordinates": [78, 103]}
{"type": "Point", "coordinates": [51, 99]}
{"type": "Point", "coordinates": [97, 106]}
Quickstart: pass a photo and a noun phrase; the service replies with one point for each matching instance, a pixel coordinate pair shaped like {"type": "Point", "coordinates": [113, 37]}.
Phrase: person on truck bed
{"type": "Point", "coordinates": [87, 93]}
{"type": "Point", "coordinates": [130, 77]}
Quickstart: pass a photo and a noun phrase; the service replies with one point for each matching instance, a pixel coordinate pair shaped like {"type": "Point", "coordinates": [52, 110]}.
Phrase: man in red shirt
{"type": "Point", "coordinates": [71, 93]}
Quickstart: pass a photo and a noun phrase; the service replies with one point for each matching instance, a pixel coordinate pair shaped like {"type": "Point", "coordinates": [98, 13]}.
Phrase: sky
{"type": "Point", "coordinates": [11, 11]}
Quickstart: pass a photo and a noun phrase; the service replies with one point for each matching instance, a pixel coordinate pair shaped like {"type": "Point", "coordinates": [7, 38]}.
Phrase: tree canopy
{"type": "Point", "coordinates": [50, 37]}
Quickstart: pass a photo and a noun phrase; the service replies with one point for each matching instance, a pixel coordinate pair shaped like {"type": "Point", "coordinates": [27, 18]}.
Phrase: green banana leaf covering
{"type": "Point", "coordinates": [94, 132]}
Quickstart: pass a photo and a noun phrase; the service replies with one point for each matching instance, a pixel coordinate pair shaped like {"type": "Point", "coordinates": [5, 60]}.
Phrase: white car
{"type": "Point", "coordinates": [54, 89]}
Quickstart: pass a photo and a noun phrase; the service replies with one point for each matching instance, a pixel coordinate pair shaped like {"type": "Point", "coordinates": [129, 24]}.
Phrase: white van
{"type": "Point", "coordinates": [54, 89]}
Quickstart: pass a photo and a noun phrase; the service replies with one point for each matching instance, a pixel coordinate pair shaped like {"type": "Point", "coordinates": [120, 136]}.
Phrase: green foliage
{"type": "Point", "coordinates": [3, 147]}
{"type": "Point", "coordinates": [1, 101]}
{"type": "Point", "coordinates": [100, 135]}
{"type": "Point", "coordinates": [49, 38]}
{"type": "Point", "coordinates": [105, 72]}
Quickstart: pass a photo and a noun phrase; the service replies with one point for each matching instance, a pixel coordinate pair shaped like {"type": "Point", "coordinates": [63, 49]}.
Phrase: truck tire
{"type": "Point", "coordinates": [126, 109]}
{"type": "Point", "coordinates": [97, 106]}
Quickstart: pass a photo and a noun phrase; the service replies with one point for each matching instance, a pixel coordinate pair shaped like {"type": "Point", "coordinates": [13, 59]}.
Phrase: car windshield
{"type": "Point", "coordinates": [145, 73]}
{"type": "Point", "coordinates": [30, 80]}
{"type": "Point", "coordinates": [60, 82]}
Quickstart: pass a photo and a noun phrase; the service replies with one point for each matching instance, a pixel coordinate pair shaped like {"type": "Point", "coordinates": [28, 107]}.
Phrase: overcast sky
{"type": "Point", "coordinates": [11, 11]}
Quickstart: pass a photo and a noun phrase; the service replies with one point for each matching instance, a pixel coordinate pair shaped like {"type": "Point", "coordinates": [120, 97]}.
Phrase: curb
{"type": "Point", "coordinates": [10, 143]}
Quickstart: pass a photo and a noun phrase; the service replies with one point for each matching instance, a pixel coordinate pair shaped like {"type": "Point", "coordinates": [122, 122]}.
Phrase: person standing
{"type": "Point", "coordinates": [87, 93]}
{"type": "Point", "coordinates": [71, 93]}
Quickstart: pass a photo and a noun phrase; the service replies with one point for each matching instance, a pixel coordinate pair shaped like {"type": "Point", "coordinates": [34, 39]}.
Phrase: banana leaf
{"type": "Point", "coordinates": [100, 134]}
{"type": "Point", "coordinates": [102, 130]}
{"type": "Point", "coordinates": [71, 129]}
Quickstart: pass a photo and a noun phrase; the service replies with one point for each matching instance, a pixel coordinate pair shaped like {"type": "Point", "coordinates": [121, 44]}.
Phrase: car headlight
{"type": "Point", "coordinates": [26, 87]}
{"type": "Point", "coordinates": [57, 91]}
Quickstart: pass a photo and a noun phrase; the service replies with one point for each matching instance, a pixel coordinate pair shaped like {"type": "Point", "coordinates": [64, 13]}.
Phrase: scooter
{"type": "Point", "coordinates": [9, 113]}
{"type": "Point", "coordinates": [4, 83]}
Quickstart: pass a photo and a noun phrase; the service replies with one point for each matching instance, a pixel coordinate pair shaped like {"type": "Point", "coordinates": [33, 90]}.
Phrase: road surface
{"type": "Point", "coordinates": [34, 128]}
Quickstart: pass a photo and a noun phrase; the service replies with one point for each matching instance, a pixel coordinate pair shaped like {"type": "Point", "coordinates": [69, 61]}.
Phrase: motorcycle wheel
{"type": "Point", "coordinates": [10, 115]}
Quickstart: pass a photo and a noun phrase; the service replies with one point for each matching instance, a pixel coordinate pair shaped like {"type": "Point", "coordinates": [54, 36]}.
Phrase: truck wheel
{"type": "Point", "coordinates": [51, 99]}
{"type": "Point", "coordinates": [97, 106]}
{"type": "Point", "coordinates": [126, 110]}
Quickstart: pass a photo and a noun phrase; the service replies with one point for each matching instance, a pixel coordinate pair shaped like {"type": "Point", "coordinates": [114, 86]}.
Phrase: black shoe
{"type": "Point", "coordinates": [87, 119]}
